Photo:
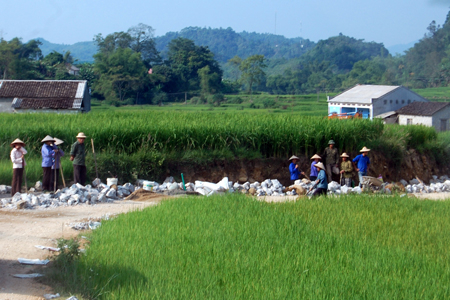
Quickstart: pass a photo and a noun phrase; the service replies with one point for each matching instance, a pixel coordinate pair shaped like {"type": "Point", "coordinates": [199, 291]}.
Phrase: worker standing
{"type": "Point", "coordinates": [294, 169]}
{"type": "Point", "coordinates": [78, 157]}
{"type": "Point", "coordinates": [363, 163]}
{"type": "Point", "coordinates": [346, 170]}
{"type": "Point", "coordinates": [47, 162]}
{"type": "Point", "coordinates": [17, 158]}
{"type": "Point", "coordinates": [331, 160]}
{"type": "Point", "coordinates": [57, 163]}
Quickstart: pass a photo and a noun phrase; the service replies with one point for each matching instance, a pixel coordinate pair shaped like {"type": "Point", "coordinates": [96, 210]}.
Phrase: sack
{"type": "Point", "coordinates": [335, 170]}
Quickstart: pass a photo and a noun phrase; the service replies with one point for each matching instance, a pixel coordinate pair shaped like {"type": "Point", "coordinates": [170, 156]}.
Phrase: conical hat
{"type": "Point", "coordinates": [17, 141]}
{"type": "Point", "coordinates": [344, 155]}
{"type": "Point", "coordinates": [316, 156]}
{"type": "Point", "coordinates": [320, 165]}
{"type": "Point", "coordinates": [364, 149]}
{"type": "Point", "coordinates": [48, 139]}
{"type": "Point", "coordinates": [331, 142]}
{"type": "Point", "coordinates": [293, 157]}
{"type": "Point", "coordinates": [81, 136]}
{"type": "Point", "coordinates": [58, 141]}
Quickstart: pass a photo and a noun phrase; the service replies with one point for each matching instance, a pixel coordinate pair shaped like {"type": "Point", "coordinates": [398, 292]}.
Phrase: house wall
{"type": "Point", "coordinates": [86, 99]}
{"type": "Point", "coordinates": [58, 111]}
{"type": "Point", "coordinates": [416, 120]}
{"type": "Point", "coordinates": [395, 100]}
{"type": "Point", "coordinates": [5, 105]}
{"type": "Point", "coordinates": [443, 114]}
{"type": "Point", "coordinates": [364, 109]}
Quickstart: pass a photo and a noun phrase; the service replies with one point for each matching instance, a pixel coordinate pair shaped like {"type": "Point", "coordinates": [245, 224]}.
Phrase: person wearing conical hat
{"type": "Point", "coordinates": [362, 163]}
{"type": "Point", "coordinates": [315, 159]}
{"type": "Point", "coordinates": [17, 158]}
{"type": "Point", "coordinates": [346, 169]}
{"type": "Point", "coordinates": [78, 157]}
{"type": "Point", "coordinates": [330, 158]}
{"type": "Point", "coordinates": [57, 163]}
{"type": "Point", "coordinates": [294, 169]}
{"type": "Point", "coordinates": [321, 181]}
{"type": "Point", "coordinates": [47, 162]}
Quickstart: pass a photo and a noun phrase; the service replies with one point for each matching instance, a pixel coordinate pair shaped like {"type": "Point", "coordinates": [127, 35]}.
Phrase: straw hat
{"type": "Point", "coordinates": [58, 141]}
{"type": "Point", "coordinates": [48, 139]}
{"type": "Point", "coordinates": [320, 165]}
{"type": "Point", "coordinates": [17, 141]}
{"type": "Point", "coordinates": [344, 155]}
{"type": "Point", "coordinates": [293, 157]}
{"type": "Point", "coordinates": [81, 136]}
{"type": "Point", "coordinates": [364, 149]}
{"type": "Point", "coordinates": [316, 156]}
{"type": "Point", "coordinates": [331, 142]}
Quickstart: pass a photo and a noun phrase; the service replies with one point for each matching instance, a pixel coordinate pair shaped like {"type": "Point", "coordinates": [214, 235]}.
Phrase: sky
{"type": "Point", "coordinates": [391, 22]}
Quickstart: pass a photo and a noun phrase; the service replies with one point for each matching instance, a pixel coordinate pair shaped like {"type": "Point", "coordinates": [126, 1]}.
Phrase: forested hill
{"type": "Point", "coordinates": [226, 43]}
{"type": "Point", "coordinates": [82, 51]}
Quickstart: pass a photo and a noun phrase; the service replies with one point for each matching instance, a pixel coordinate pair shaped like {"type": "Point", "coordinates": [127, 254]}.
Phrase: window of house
{"type": "Point", "coordinates": [409, 101]}
{"type": "Point", "coordinates": [390, 101]}
{"type": "Point", "coordinates": [408, 121]}
{"type": "Point", "coordinates": [403, 101]}
{"type": "Point", "coordinates": [385, 102]}
{"type": "Point", "coordinates": [396, 101]}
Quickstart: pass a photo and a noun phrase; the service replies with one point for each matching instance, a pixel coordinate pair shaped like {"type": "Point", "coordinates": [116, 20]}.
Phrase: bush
{"type": "Point", "coordinates": [235, 100]}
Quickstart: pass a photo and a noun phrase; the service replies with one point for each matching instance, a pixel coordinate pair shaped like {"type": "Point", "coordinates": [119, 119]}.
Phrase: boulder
{"type": "Point", "coordinates": [252, 191]}
{"type": "Point", "coordinates": [21, 204]}
{"type": "Point", "coordinates": [111, 193]}
{"type": "Point", "coordinates": [38, 186]}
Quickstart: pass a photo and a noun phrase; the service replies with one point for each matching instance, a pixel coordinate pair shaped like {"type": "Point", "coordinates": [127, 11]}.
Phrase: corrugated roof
{"type": "Point", "coordinates": [422, 108]}
{"type": "Point", "coordinates": [39, 88]}
{"type": "Point", "coordinates": [363, 94]}
{"type": "Point", "coordinates": [386, 114]}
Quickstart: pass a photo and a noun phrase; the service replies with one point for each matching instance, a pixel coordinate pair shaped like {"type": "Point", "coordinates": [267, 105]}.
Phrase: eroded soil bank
{"type": "Point", "coordinates": [413, 164]}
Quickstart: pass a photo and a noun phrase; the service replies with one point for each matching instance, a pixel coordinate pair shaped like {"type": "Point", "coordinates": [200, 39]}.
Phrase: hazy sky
{"type": "Point", "coordinates": [68, 21]}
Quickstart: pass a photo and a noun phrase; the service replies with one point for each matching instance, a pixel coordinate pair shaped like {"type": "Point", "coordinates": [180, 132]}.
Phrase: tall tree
{"type": "Point", "coordinates": [252, 69]}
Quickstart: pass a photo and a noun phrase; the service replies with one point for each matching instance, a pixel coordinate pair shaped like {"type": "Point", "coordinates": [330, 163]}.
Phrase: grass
{"type": "Point", "coordinates": [235, 247]}
{"type": "Point", "coordinates": [138, 142]}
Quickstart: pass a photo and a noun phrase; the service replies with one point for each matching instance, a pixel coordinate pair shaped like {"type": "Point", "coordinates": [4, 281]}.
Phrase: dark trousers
{"type": "Point", "coordinates": [16, 181]}
{"type": "Point", "coordinates": [46, 179]}
{"type": "Point", "coordinates": [54, 177]}
{"type": "Point", "coordinates": [79, 174]}
{"type": "Point", "coordinates": [313, 178]}
{"type": "Point", "coordinates": [319, 191]}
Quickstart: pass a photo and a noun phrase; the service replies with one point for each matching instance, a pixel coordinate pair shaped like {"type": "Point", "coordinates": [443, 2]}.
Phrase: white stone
{"type": "Point", "coordinates": [111, 193]}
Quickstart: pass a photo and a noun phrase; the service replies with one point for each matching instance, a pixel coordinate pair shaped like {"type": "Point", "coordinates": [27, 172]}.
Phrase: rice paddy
{"type": "Point", "coordinates": [235, 247]}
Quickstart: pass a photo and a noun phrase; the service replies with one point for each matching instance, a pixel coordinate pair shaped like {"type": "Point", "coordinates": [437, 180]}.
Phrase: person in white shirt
{"type": "Point", "coordinates": [17, 154]}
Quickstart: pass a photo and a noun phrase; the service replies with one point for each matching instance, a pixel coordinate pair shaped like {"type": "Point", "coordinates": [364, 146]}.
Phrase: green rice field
{"type": "Point", "coordinates": [235, 247]}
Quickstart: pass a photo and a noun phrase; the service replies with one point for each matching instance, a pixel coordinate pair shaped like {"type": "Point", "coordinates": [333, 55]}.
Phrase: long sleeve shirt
{"type": "Point", "coordinates": [295, 173]}
{"type": "Point", "coordinates": [331, 156]}
{"type": "Point", "coordinates": [57, 156]}
{"type": "Point", "coordinates": [16, 157]}
{"type": "Point", "coordinates": [47, 155]}
{"type": "Point", "coordinates": [347, 167]}
{"type": "Point", "coordinates": [322, 178]}
{"type": "Point", "coordinates": [313, 169]}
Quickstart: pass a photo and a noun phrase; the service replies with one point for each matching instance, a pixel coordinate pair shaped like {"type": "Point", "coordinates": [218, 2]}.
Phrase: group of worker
{"type": "Point", "coordinates": [321, 172]}
{"type": "Point", "coordinates": [51, 162]}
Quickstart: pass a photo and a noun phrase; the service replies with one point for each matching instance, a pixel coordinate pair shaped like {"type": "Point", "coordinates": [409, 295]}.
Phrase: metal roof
{"type": "Point", "coordinates": [363, 94]}
{"type": "Point", "coordinates": [386, 114]}
{"type": "Point", "coordinates": [422, 108]}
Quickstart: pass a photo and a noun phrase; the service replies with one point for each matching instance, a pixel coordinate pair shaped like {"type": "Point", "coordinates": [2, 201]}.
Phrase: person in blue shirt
{"type": "Point", "coordinates": [321, 182]}
{"type": "Point", "coordinates": [313, 175]}
{"type": "Point", "coordinates": [362, 163]}
{"type": "Point", "coordinates": [47, 162]}
{"type": "Point", "coordinates": [294, 169]}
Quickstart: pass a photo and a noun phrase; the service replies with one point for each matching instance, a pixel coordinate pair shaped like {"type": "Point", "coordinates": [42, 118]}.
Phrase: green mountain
{"type": "Point", "coordinates": [82, 51]}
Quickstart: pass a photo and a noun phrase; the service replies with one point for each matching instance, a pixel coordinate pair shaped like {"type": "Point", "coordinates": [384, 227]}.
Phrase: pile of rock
{"type": "Point", "coordinates": [90, 194]}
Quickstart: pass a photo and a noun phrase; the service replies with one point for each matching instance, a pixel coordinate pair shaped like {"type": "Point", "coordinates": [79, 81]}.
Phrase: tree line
{"type": "Point", "coordinates": [128, 68]}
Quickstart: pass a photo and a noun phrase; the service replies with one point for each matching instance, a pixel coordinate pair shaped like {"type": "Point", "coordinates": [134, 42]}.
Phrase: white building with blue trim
{"type": "Point", "coordinates": [372, 100]}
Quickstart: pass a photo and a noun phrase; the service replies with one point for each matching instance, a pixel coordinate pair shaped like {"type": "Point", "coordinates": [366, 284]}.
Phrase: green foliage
{"type": "Point", "coordinates": [235, 247]}
{"type": "Point", "coordinates": [252, 71]}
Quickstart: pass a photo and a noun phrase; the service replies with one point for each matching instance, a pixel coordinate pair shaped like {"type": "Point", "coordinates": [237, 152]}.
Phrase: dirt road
{"type": "Point", "coordinates": [21, 230]}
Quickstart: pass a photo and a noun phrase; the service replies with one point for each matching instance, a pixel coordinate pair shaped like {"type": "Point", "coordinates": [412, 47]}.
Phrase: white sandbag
{"type": "Point", "coordinates": [357, 190]}
{"type": "Point", "coordinates": [224, 183]}
{"type": "Point", "coordinates": [25, 276]}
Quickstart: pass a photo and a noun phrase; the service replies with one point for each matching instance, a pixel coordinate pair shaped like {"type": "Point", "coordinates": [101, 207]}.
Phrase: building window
{"type": "Point", "coordinates": [403, 101]}
{"type": "Point", "coordinates": [390, 101]}
{"type": "Point", "coordinates": [409, 101]}
{"type": "Point", "coordinates": [396, 101]}
{"type": "Point", "coordinates": [385, 102]}
{"type": "Point", "coordinates": [408, 121]}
